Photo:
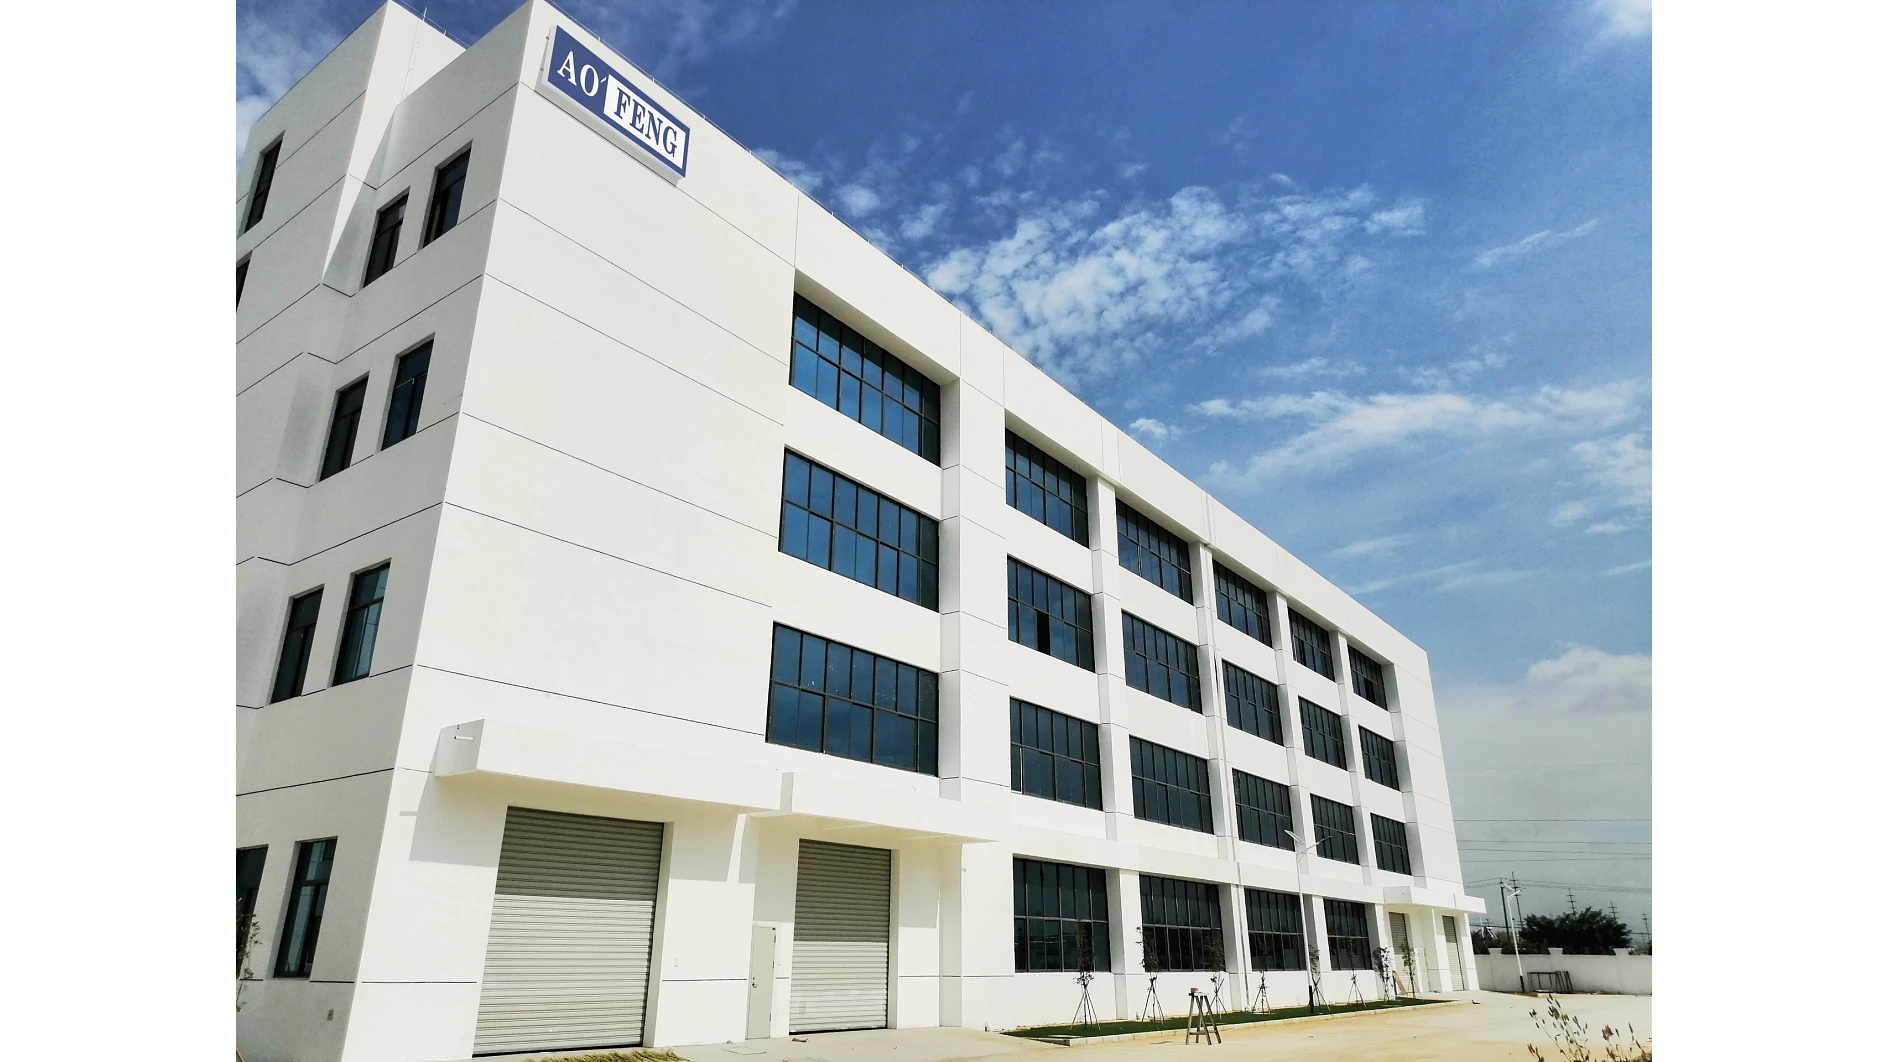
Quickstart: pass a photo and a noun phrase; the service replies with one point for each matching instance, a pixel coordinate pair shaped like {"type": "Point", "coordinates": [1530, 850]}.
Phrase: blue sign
{"type": "Point", "coordinates": [601, 89]}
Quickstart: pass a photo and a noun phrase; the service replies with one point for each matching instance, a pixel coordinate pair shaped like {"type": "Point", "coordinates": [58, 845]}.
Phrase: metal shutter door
{"type": "Point", "coordinates": [841, 938]}
{"type": "Point", "coordinates": [1457, 983]}
{"type": "Point", "coordinates": [1399, 941]}
{"type": "Point", "coordinates": [573, 916]}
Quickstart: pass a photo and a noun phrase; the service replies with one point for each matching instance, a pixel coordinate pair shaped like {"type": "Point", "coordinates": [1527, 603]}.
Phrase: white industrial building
{"type": "Point", "coordinates": [664, 620]}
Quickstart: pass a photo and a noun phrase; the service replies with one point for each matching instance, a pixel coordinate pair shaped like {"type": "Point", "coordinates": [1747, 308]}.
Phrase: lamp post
{"type": "Point", "coordinates": [1299, 852]}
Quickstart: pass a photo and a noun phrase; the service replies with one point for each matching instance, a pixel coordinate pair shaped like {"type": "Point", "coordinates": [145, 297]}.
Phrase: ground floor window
{"type": "Point", "coordinates": [314, 862]}
{"type": "Point", "coordinates": [1348, 926]}
{"type": "Point", "coordinates": [1180, 925]}
{"type": "Point", "coordinates": [1275, 924]}
{"type": "Point", "coordinates": [1061, 917]}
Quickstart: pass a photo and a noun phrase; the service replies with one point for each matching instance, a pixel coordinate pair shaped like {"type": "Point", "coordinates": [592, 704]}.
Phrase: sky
{"type": "Point", "coordinates": [1377, 274]}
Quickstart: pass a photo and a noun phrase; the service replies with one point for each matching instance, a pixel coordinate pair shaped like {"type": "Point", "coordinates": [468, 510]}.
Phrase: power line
{"type": "Point", "coordinates": [1548, 767]}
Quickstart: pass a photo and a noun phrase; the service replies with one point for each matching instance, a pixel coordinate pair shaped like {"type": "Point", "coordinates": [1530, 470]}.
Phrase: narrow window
{"type": "Point", "coordinates": [1154, 553]}
{"type": "Point", "coordinates": [342, 428]}
{"type": "Point", "coordinates": [1349, 930]}
{"type": "Point", "coordinates": [1044, 489]}
{"type": "Point", "coordinates": [1392, 844]}
{"type": "Point", "coordinates": [386, 242]}
{"type": "Point", "coordinates": [1335, 825]}
{"type": "Point", "coordinates": [1061, 917]}
{"type": "Point", "coordinates": [1379, 757]}
{"type": "Point", "coordinates": [1243, 606]}
{"type": "Point", "coordinates": [1311, 646]}
{"type": "Point", "coordinates": [361, 626]}
{"type": "Point", "coordinates": [832, 698]}
{"type": "Point", "coordinates": [409, 387]}
{"type": "Point", "coordinates": [291, 668]}
{"type": "Point", "coordinates": [265, 179]}
{"type": "Point", "coordinates": [1170, 786]}
{"type": "Point", "coordinates": [844, 370]}
{"type": "Point", "coordinates": [853, 530]}
{"type": "Point", "coordinates": [1180, 926]}
{"type": "Point", "coordinates": [1324, 734]}
{"type": "Point", "coordinates": [1366, 678]}
{"type": "Point", "coordinates": [442, 211]}
{"type": "Point", "coordinates": [1252, 704]}
{"type": "Point", "coordinates": [1050, 616]}
{"type": "Point", "coordinates": [1275, 928]}
{"type": "Point", "coordinates": [1054, 755]}
{"type": "Point", "coordinates": [1160, 663]}
{"type": "Point", "coordinates": [308, 894]}
{"type": "Point", "coordinates": [248, 882]}
{"type": "Point", "coordinates": [1263, 808]}
{"type": "Point", "coordinates": [242, 274]}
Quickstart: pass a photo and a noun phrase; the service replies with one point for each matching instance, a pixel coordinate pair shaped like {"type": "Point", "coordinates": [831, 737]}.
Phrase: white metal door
{"type": "Point", "coordinates": [573, 918]}
{"type": "Point", "coordinates": [1457, 982]}
{"type": "Point", "coordinates": [841, 938]}
{"type": "Point", "coordinates": [1399, 948]}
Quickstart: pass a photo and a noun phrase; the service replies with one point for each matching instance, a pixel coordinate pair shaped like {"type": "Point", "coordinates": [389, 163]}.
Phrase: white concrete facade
{"type": "Point", "coordinates": [585, 575]}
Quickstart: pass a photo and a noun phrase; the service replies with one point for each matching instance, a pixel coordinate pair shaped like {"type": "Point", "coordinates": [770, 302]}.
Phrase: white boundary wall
{"type": "Point", "coordinates": [1620, 973]}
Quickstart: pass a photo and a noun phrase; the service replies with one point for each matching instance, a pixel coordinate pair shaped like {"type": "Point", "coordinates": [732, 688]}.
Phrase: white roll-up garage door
{"type": "Point", "coordinates": [1458, 982]}
{"type": "Point", "coordinates": [567, 963]}
{"type": "Point", "coordinates": [841, 938]}
{"type": "Point", "coordinates": [1399, 946]}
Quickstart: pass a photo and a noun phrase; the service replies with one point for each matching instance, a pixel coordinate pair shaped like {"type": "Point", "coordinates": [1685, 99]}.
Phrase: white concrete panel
{"type": "Point", "coordinates": [845, 275]}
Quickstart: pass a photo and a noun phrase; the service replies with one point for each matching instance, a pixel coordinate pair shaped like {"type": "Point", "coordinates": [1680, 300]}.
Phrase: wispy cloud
{"type": "Point", "coordinates": [1311, 367]}
{"type": "Point", "coordinates": [1545, 240]}
{"type": "Point", "coordinates": [1152, 430]}
{"type": "Point", "coordinates": [1374, 547]}
{"type": "Point", "coordinates": [1625, 18]}
{"type": "Point", "coordinates": [1623, 466]}
{"type": "Point", "coordinates": [1627, 568]}
{"type": "Point", "coordinates": [1449, 578]}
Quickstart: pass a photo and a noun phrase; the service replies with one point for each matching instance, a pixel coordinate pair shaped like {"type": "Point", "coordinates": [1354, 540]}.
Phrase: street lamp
{"type": "Point", "coordinates": [1299, 852]}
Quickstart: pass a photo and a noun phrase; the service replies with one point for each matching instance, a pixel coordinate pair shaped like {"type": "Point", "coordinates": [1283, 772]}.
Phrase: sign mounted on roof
{"type": "Point", "coordinates": [577, 74]}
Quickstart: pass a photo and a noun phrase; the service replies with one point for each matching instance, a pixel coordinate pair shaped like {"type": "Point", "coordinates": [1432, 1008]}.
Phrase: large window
{"type": "Point", "coordinates": [1154, 553]}
{"type": "Point", "coordinates": [361, 625]}
{"type": "Point", "coordinates": [1336, 827]}
{"type": "Point", "coordinates": [342, 427]}
{"type": "Point", "coordinates": [1045, 488]}
{"type": "Point", "coordinates": [1170, 786]}
{"type": "Point", "coordinates": [1159, 663]}
{"type": "Point", "coordinates": [1324, 734]}
{"type": "Point", "coordinates": [1366, 678]}
{"type": "Point", "coordinates": [386, 242]}
{"type": "Point", "coordinates": [863, 380]}
{"type": "Point", "coordinates": [1054, 755]}
{"type": "Point", "coordinates": [1392, 839]}
{"type": "Point", "coordinates": [1275, 929]}
{"type": "Point", "coordinates": [442, 211]}
{"type": "Point", "coordinates": [1180, 927]}
{"type": "Point", "coordinates": [1348, 927]}
{"type": "Point", "coordinates": [1242, 605]}
{"type": "Point", "coordinates": [308, 894]}
{"type": "Point", "coordinates": [1050, 616]}
{"type": "Point", "coordinates": [842, 701]}
{"type": "Point", "coordinates": [1252, 704]}
{"type": "Point", "coordinates": [291, 668]}
{"type": "Point", "coordinates": [409, 389]}
{"type": "Point", "coordinates": [248, 883]}
{"type": "Point", "coordinates": [1311, 646]}
{"type": "Point", "coordinates": [265, 179]}
{"type": "Point", "coordinates": [1263, 808]}
{"type": "Point", "coordinates": [1379, 757]}
{"type": "Point", "coordinates": [1061, 917]}
{"type": "Point", "coordinates": [857, 532]}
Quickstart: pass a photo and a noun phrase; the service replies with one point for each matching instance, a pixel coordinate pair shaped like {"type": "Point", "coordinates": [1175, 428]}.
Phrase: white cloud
{"type": "Point", "coordinates": [1373, 547]}
{"type": "Point", "coordinates": [1610, 527]}
{"type": "Point", "coordinates": [1482, 357]}
{"type": "Point", "coordinates": [1311, 367]}
{"type": "Point", "coordinates": [1149, 428]}
{"type": "Point", "coordinates": [923, 223]}
{"type": "Point", "coordinates": [1625, 18]}
{"type": "Point", "coordinates": [1463, 575]}
{"type": "Point", "coordinates": [1623, 466]}
{"type": "Point", "coordinates": [1405, 219]}
{"type": "Point", "coordinates": [1627, 568]}
{"type": "Point", "coordinates": [1569, 512]}
{"type": "Point", "coordinates": [804, 177]}
{"type": "Point", "coordinates": [1544, 240]}
{"type": "Point", "coordinates": [858, 200]}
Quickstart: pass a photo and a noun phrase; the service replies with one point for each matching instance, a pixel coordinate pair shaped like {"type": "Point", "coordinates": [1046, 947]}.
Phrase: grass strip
{"type": "Point", "coordinates": [1179, 1022]}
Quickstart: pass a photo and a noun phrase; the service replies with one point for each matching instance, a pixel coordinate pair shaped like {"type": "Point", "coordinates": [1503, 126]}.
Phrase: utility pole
{"type": "Point", "coordinates": [1570, 901]}
{"type": "Point", "coordinates": [1513, 941]}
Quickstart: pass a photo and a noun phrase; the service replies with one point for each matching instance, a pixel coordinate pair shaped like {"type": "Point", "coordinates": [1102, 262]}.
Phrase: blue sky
{"type": "Point", "coordinates": [1377, 274]}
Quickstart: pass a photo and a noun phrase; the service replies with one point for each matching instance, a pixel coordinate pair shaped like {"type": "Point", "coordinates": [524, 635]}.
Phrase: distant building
{"type": "Point", "coordinates": [664, 620]}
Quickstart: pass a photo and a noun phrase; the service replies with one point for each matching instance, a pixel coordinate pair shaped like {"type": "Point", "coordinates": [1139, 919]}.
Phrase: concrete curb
{"type": "Point", "coordinates": [1078, 1041]}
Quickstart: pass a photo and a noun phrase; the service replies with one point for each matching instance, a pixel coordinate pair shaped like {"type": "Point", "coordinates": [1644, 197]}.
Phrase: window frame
{"type": "Point", "coordinates": [1319, 742]}
{"type": "Point", "coordinates": [1076, 887]}
{"type": "Point", "coordinates": [242, 277]}
{"type": "Point", "coordinates": [1043, 622]}
{"type": "Point", "coordinates": [248, 891]}
{"type": "Point", "coordinates": [1162, 775]}
{"type": "Point", "coordinates": [337, 456]}
{"type": "Point", "coordinates": [360, 639]}
{"type": "Point", "coordinates": [1252, 620]}
{"type": "Point", "coordinates": [263, 182]}
{"type": "Point", "coordinates": [295, 950]}
{"type": "Point", "coordinates": [1142, 646]}
{"type": "Point", "coordinates": [802, 518]}
{"type": "Point", "coordinates": [1354, 952]}
{"type": "Point", "coordinates": [437, 224]}
{"type": "Point", "coordinates": [305, 647]}
{"type": "Point", "coordinates": [403, 407]}
{"type": "Point", "coordinates": [1273, 932]}
{"type": "Point", "coordinates": [1391, 839]}
{"type": "Point", "coordinates": [1261, 715]}
{"type": "Point", "coordinates": [1334, 841]}
{"type": "Point", "coordinates": [1315, 653]}
{"type": "Point", "coordinates": [1367, 678]}
{"type": "Point", "coordinates": [787, 668]}
{"type": "Point", "coordinates": [843, 361]}
{"type": "Point", "coordinates": [1046, 479]}
{"type": "Point", "coordinates": [1250, 793]}
{"type": "Point", "coordinates": [1068, 732]}
{"type": "Point", "coordinates": [1139, 543]}
{"type": "Point", "coordinates": [1379, 755]}
{"type": "Point", "coordinates": [1181, 915]}
{"type": "Point", "coordinates": [379, 264]}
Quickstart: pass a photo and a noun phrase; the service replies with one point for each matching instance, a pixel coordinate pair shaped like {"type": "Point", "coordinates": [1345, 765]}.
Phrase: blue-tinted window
{"type": "Point", "coordinates": [1242, 605]}
{"type": "Point", "coordinates": [361, 626]}
{"type": "Point", "coordinates": [863, 380]}
{"type": "Point", "coordinates": [1264, 810]}
{"type": "Point", "coordinates": [1061, 917]}
{"type": "Point", "coordinates": [249, 863]}
{"type": "Point", "coordinates": [1324, 734]}
{"type": "Point", "coordinates": [1379, 757]}
{"type": "Point", "coordinates": [308, 896]}
{"type": "Point", "coordinates": [291, 667]}
{"type": "Point", "coordinates": [1050, 616]}
{"type": "Point", "coordinates": [1180, 925]}
{"type": "Point", "coordinates": [1392, 844]}
{"type": "Point", "coordinates": [850, 529]}
{"type": "Point", "coordinates": [386, 242]}
{"type": "Point", "coordinates": [1335, 826]}
{"type": "Point", "coordinates": [1311, 646]}
{"type": "Point", "coordinates": [832, 698]}
{"type": "Point", "coordinates": [1159, 663]}
{"type": "Point", "coordinates": [1366, 678]}
{"type": "Point", "coordinates": [265, 180]}
{"type": "Point", "coordinates": [342, 427]}
{"type": "Point", "coordinates": [1252, 704]}
{"type": "Point", "coordinates": [1275, 925]}
{"type": "Point", "coordinates": [1170, 786]}
{"type": "Point", "coordinates": [1154, 553]}
{"type": "Point", "coordinates": [1045, 489]}
{"type": "Point", "coordinates": [1054, 755]}
{"type": "Point", "coordinates": [1348, 926]}
{"type": "Point", "coordinates": [442, 211]}
{"type": "Point", "coordinates": [409, 389]}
